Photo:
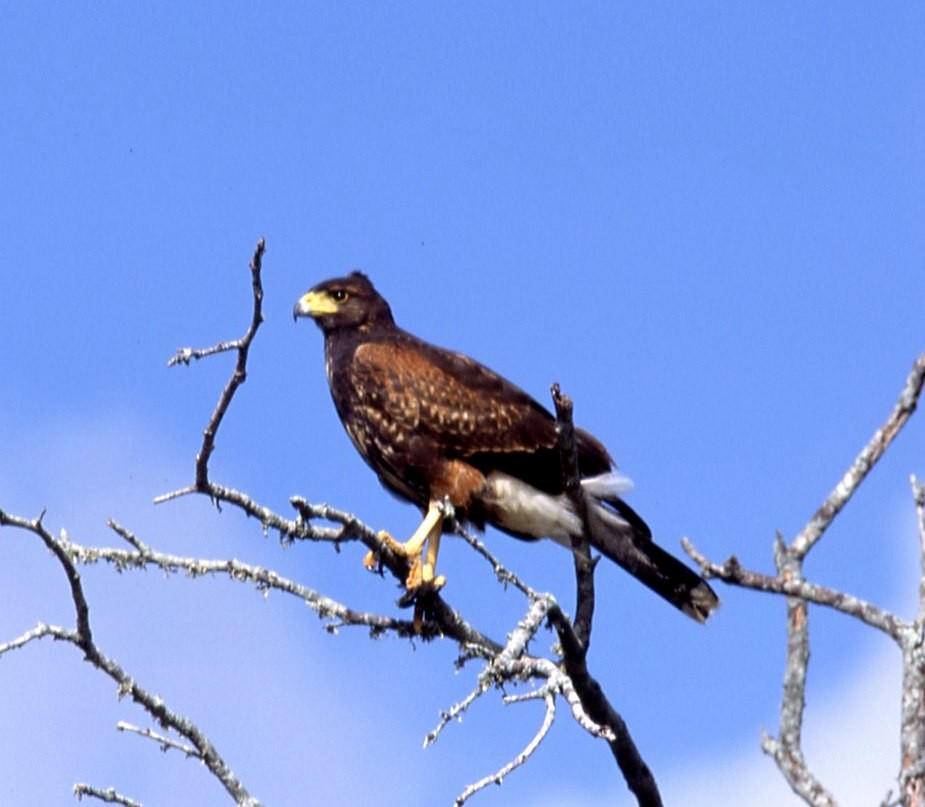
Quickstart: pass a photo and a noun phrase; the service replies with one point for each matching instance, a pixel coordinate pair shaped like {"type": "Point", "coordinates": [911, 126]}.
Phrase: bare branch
{"type": "Point", "coordinates": [82, 637]}
{"type": "Point", "coordinates": [918, 498]}
{"type": "Point", "coordinates": [455, 712]}
{"type": "Point", "coordinates": [504, 575]}
{"type": "Point", "coordinates": [598, 708]}
{"type": "Point", "coordinates": [912, 721]}
{"type": "Point", "coordinates": [789, 581]}
{"type": "Point", "coordinates": [498, 777]}
{"type": "Point", "coordinates": [238, 377]}
{"type": "Point", "coordinates": [501, 666]}
{"type": "Point", "coordinates": [264, 580]}
{"type": "Point", "coordinates": [581, 548]}
{"type": "Point", "coordinates": [185, 355]}
{"type": "Point", "coordinates": [844, 490]}
{"type": "Point", "coordinates": [39, 632]}
{"type": "Point", "coordinates": [513, 664]}
{"type": "Point", "coordinates": [734, 573]}
{"type": "Point", "coordinates": [787, 751]}
{"type": "Point", "coordinates": [164, 742]}
{"type": "Point", "coordinates": [109, 795]}
{"type": "Point", "coordinates": [912, 725]}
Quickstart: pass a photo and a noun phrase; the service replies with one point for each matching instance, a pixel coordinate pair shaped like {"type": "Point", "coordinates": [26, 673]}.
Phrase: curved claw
{"type": "Point", "coordinates": [372, 560]}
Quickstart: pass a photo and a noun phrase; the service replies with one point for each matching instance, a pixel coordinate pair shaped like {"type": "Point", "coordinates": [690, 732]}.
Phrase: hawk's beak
{"type": "Point", "coordinates": [313, 304]}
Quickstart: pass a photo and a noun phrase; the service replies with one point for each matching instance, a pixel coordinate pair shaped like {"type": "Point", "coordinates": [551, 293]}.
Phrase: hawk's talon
{"type": "Point", "coordinates": [420, 552]}
{"type": "Point", "coordinates": [372, 560]}
{"type": "Point", "coordinates": [393, 545]}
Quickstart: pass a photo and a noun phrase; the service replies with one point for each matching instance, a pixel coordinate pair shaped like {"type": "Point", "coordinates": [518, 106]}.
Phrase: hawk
{"type": "Point", "coordinates": [437, 426]}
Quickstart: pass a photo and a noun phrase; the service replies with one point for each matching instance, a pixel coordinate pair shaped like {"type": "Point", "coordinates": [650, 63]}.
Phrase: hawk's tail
{"type": "Point", "coordinates": [620, 534]}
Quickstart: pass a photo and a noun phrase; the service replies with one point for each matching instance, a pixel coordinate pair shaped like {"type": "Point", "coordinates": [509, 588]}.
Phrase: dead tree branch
{"type": "Point", "coordinates": [82, 637]}
{"type": "Point", "coordinates": [581, 547]}
{"type": "Point", "coordinates": [786, 749]}
{"type": "Point", "coordinates": [110, 795]}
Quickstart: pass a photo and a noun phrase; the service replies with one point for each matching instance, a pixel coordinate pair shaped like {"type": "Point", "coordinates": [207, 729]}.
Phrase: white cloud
{"type": "Point", "coordinates": [851, 743]}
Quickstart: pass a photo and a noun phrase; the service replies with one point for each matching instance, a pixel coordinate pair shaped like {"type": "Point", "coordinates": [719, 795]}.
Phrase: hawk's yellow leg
{"type": "Point", "coordinates": [422, 571]}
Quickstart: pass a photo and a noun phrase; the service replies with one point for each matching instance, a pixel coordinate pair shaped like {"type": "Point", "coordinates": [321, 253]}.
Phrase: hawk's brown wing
{"type": "Point", "coordinates": [416, 407]}
{"type": "Point", "coordinates": [462, 406]}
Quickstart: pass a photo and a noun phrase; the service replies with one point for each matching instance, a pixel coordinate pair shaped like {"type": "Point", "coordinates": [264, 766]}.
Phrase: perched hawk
{"type": "Point", "coordinates": [436, 425]}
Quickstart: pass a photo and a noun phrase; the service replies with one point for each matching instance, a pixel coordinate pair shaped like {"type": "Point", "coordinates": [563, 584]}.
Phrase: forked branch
{"type": "Point", "coordinates": [82, 637]}
{"type": "Point", "coordinates": [786, 748]}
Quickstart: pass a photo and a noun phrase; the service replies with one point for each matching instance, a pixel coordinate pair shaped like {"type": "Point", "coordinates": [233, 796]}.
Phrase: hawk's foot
{"type": "Point", "coordinates": [372, 558]}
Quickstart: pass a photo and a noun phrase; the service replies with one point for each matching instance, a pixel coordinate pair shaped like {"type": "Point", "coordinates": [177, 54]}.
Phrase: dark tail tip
{"type": "Point", "coordinates": [699, 602]}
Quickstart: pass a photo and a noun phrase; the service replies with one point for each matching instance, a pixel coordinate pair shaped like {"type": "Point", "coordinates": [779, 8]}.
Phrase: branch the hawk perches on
{"type": "Point", "coordinates": [438, 426]}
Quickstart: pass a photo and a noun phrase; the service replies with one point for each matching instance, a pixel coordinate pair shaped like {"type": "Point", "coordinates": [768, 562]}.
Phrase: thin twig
{"type": "Point", "coordinates": [109, 795]}
{"type": "Point", "coordinates": [844, 490]}
{"type": "Point", "coordinates": [40, 631]}
{"type": "Point", "coordinates": [166, 743]}
{"type": "Point", "coordinates": [185, 355]}
{"type": "Point", "coordinates": [918, 498]}
{"type": "Point", "coordinates": [504, 575]}
{"type": "Point", "coordinates": [238, 377]}
{"type": "Point", "coordinates": [455, 712]}
{"type": "Point", "coordinates": [498, 777]}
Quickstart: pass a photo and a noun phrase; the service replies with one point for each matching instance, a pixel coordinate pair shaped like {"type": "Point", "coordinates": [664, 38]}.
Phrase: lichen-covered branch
{"type": "Point", "coordinates": [109, 795]}
{"type": "Point", "coordinates": [912, 721]}
{"type": "Point", "coordinates": [82, 637]}
{"type": "Point", "coordinates": [164, 743]}
{"type": "Point", "coordinates": [141, 556]}
{"type": "Point", "coordinates": [786, 749]}
{"type": "Point", "coordinates": [865, 461]}
{"type": "Point", "coordinates": [731, 571]}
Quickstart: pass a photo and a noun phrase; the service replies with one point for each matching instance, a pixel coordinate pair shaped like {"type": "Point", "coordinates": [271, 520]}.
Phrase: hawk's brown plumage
{"type": "Point", "coordinates": [435, 424]}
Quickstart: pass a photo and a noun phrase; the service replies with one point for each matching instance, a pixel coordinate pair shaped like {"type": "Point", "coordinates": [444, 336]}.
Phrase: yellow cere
{"type": "Point", "coordinates": [319, 303]}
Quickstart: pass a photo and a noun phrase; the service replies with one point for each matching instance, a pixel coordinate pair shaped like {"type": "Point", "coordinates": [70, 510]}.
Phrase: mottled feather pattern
{"type": "Point", "coordinates": [466, 413]}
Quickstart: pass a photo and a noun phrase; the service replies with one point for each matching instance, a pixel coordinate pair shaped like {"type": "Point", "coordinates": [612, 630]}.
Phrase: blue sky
{"type": "Point", "coordinates": [704, 221]}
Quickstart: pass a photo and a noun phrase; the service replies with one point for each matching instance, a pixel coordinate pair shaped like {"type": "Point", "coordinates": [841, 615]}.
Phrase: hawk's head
{"type": "Point", "coordinates": [344, 303]}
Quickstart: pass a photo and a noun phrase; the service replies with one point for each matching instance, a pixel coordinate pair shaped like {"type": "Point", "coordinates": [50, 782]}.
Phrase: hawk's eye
{"type": "Point", "coordinates": [339, 295]}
